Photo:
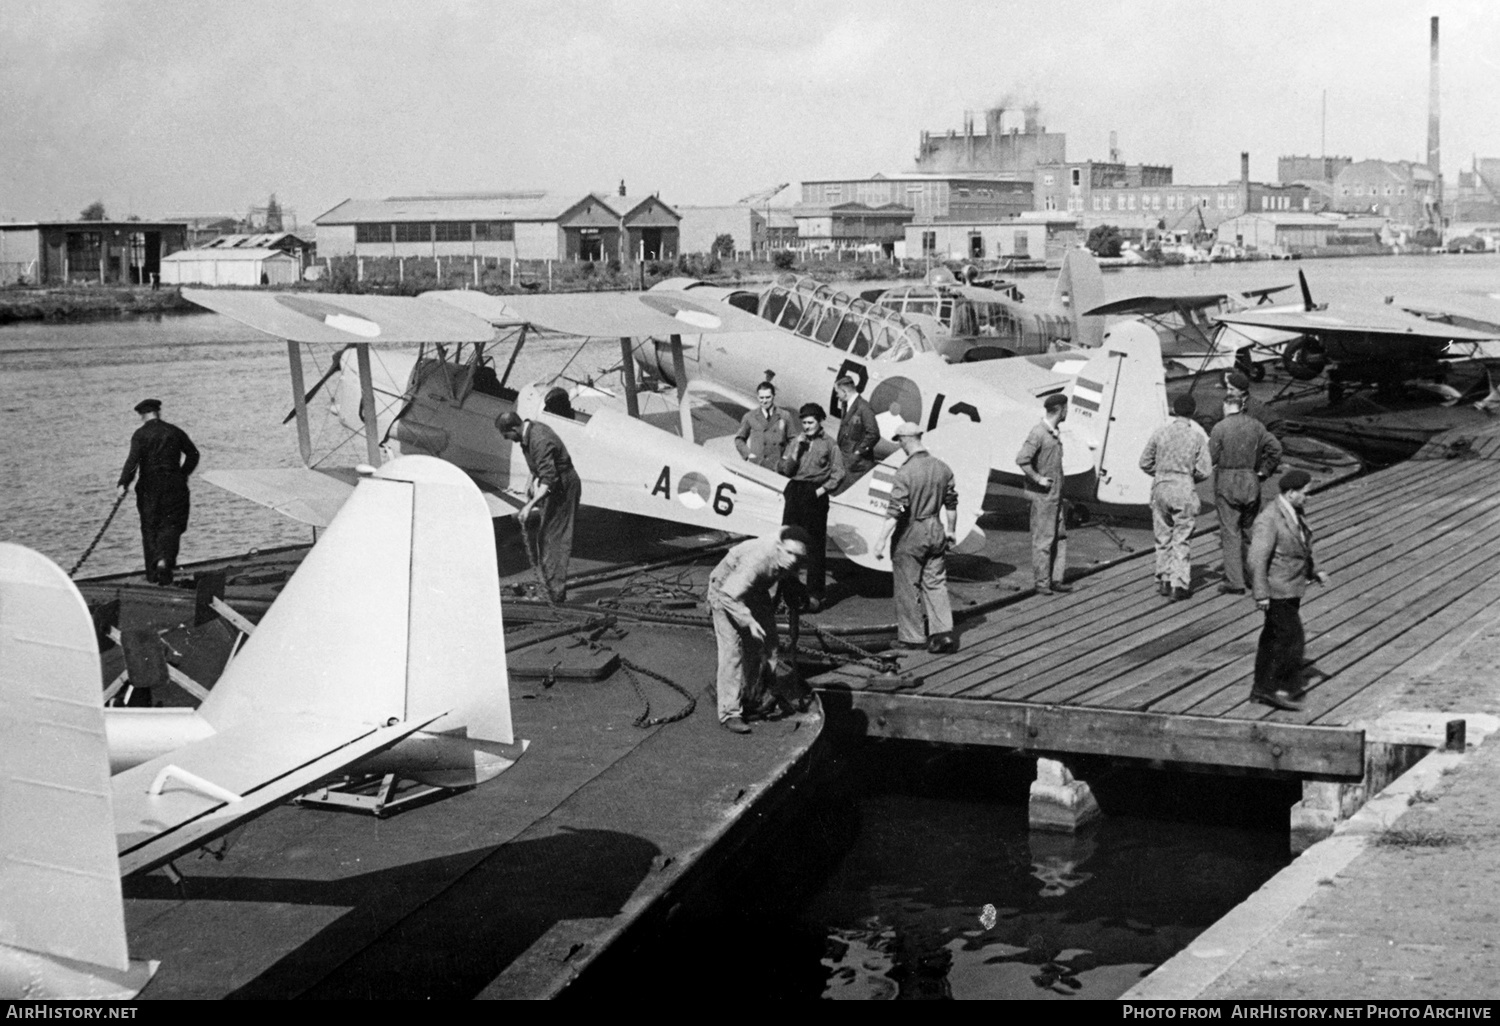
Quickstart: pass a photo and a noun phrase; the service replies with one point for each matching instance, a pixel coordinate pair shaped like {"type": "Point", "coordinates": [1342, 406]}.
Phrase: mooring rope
{"type": "Point", "coordinates": [119, 500]}
{"type": "Point", "coordinates": [532, 544]}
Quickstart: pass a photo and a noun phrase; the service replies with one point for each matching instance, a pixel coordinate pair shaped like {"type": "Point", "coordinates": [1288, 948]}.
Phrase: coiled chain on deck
{"type": "Point", "coordinates": [532, 543]}
{"type": "Point", "coordinates": [119, 500]}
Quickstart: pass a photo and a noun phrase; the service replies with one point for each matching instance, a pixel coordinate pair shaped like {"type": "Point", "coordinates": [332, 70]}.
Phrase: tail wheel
{"type": "Point", "coordinates": [1304, 359]}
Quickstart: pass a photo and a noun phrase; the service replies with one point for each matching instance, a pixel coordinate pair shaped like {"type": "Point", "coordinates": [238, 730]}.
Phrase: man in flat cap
{"type": "Point", "coordinates": [1041, 461]}
{"type": "Point", "coordinates": [1237, 383]}
{"type": "Point", "coordinates": [555, 488]}
{"type": "Point", "coordinates": [1176, 457]}
{"type": "Point", "coordinates": [815, 467]}
{"type": "Point", "coordinates": [858, 432]}
{"type": "Point", "coordinates": [1281, 568]}
{"type": "Point", "coordinates": [923, 516]}
{"type": "Point", "coordinates": [164, 456]}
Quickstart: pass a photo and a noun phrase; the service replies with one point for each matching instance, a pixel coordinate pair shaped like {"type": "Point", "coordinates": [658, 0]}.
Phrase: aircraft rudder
{"type": "Point", "coordinates": [1127, 377]}
{"type": "Point", "coordinates": [1080, 285]}
{"type": "Point", "coordinates": [60, 890]}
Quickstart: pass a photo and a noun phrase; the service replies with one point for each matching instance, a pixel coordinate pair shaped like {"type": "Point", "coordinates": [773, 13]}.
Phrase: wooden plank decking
{"type": "Point", "coordinates": [1115, 669]}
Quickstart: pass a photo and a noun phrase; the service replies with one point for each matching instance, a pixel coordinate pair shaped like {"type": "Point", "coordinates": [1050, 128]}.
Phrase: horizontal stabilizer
{"type": "Point", "coordinates": [309, 496]}
{"type": "Point", "coordinates": [187, 798]}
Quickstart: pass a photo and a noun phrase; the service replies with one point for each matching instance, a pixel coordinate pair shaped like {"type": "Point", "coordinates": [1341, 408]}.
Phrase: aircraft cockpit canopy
{"type": "Point", "coordinates": [824, 315]}
{"type": "Point", "coordinates": [980, 314]}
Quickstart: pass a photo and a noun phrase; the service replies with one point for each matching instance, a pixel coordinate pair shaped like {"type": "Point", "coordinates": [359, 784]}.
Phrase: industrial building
{"type": "Point", "coordinates": [1310, 169]}
{"type": "Point", "coordinates": [531, 225]}
{"type": "Point", "coordinates": [1403, 191]}
{"type": "Point", "coordinates": [230, 267]}
{"type": "Point", "coordinates": [1030, 237]}
{"type": "Point", "coordinates": [1299, 234]}
{"type": "Point", "coordinates": [110, 252]}
{"type": "Point", "coordinates": [930, 197]}
{"type": "Point", "coordinates": [286, 242]}
{"type": "Point", "coordinates": [851, 226]}
{"type": "Point", "coordinates": [995, 151]}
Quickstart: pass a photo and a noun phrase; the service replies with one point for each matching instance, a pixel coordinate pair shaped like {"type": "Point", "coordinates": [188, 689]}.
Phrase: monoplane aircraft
{"type": "Point", "coordinates": [1195, 338]}
{"type": "Point", "coordinates": [383, 654]}
{"type": "Point", "coordinates": [1383, 346]}
{"type": "Point", "coordinates": [970, 321]}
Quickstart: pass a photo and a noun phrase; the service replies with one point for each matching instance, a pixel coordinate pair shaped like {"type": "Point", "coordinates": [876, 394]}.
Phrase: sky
{"type": "Point", "coordinates": [162, 107]}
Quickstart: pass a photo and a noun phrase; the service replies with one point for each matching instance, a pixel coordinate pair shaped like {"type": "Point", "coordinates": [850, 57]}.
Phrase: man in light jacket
{"type": "Point", "coordinates": [1281, 568]}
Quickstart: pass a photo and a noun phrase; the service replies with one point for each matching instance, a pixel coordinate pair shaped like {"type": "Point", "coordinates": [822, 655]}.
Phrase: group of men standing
{"type": "Point", "coordinates": [1272, 546]}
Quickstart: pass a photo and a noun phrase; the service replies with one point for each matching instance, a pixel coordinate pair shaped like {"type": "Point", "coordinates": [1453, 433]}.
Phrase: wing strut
{"type": "Point", "coordinates": [367, 403]}
{"type": "Point", "coordinates": [299, 402]}
{"type": "Point", "coordinates": [679, 366]}
{"type": "Point", "coordinates": [627, 375]}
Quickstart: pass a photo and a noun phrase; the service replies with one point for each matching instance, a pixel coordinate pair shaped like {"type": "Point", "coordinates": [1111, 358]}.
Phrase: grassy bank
{"type": "Point", "coordinates": [87, 303]}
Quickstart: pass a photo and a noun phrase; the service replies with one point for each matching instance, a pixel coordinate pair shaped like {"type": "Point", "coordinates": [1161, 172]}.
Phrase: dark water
{"type": "Point", "coordinates": [908, 872]}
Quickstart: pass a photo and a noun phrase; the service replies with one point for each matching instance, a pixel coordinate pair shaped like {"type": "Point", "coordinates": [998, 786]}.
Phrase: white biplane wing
{"type": "Point", "coordinates": [338, 319]}
{"type": "Point", "coordinates": [659, 313]}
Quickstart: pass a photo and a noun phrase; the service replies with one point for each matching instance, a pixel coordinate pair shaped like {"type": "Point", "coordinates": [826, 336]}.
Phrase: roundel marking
{"type": "Point", "coordinates": [900, 396]}
{"type": "Point", "coordinates": [692, 490]}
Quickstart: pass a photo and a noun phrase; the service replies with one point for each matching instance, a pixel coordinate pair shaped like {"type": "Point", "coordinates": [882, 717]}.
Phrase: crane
{"type": "Point", "coordinates": [763, 197]}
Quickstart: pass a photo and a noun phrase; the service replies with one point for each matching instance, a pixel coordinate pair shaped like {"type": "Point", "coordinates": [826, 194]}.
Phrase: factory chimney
{"type": "Point", "coordinates": [1244, 182]}
{"type": "Point", "coordinates": [1434, 143]}
{"type": "Point", "coordinates": [1114, 147]}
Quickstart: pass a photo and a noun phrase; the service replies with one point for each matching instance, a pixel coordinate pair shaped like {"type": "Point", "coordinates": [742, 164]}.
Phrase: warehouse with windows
{"type": "Point", "coordinates": [532, 225]}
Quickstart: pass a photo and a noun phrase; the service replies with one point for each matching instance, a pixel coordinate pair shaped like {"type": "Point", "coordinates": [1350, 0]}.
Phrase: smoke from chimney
{"type": "Point", "coordinates": [1434, 143]}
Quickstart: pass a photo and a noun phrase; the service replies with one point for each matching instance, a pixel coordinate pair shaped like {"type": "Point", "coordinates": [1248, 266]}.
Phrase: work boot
{"type": "Point", "coordinates": [1278, 699]}
{"type": "Point", "coordinates": [1163, 589]}
{"type": "Point", "coordinates": [1225, 589]}
{"type": "Point", "coordinates": [163, 573]}
{"type": "Point", "coordinates": [736, 725]}
{"type": "Point", "coordinates": [1181, 594]}
{"type": "Point", "coordinates": [1061, 588]}
{"type": "Point", "coordinates": [940, 644]}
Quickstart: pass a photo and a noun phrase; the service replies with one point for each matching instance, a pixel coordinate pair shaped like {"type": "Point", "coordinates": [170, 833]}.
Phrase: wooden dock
{"type": "Point", "coordinates": [1114, 669]}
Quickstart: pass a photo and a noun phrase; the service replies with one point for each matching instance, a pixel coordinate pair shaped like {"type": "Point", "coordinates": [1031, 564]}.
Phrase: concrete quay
{"type": "Point", "coordinates": [1403, 900]}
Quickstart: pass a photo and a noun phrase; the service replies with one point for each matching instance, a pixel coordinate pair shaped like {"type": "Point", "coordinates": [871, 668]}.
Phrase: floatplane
{"type": "Point", "coordinates": [711, 347]}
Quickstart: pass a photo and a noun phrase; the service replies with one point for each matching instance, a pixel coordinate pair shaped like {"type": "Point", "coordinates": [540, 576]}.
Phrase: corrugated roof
{"type": "Point", "coordinates": [511, 206]}
{"type": "Point", "coordinates": [264, 240]}
{"type": "Point", "coordinates": [227, 254]}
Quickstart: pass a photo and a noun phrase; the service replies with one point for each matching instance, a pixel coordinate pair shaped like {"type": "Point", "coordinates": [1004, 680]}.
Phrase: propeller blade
{"type": "Point", "coordinates": [333, 369]}
{"type": "Point", "coordinates": [1307, 300]}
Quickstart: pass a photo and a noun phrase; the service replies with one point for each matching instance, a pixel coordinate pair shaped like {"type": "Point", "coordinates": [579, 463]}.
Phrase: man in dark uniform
{"type": "Point", "coordinates": [923, 515]}
{"type": "Point", "coordinates": [1244, 454]}
{"type": "Point", "coordinates": [1237, 383]}
{"type": "Point", "coordinates": [858, 432]}
{"type": "Point", "coordinates": [1041, 460]}
{"type": "Point", "coordinates": [165, 456]}
{"type": "Point", "coordinates": [815, 467]}
{"type": "Point", "coordinates": [555, 488]}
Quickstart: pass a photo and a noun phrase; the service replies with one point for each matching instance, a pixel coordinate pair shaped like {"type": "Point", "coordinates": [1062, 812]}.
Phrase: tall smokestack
{"type": "Point", "coordinates": [1114, 147]}
{"type": "Point", "coordinates": [1244, 167]}
{"type": "Point", "coordinates": [1434, 143]}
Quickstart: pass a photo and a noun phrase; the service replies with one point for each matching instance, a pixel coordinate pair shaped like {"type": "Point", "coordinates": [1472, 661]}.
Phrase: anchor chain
{"type": "Point", "coordinates": [119, 500]}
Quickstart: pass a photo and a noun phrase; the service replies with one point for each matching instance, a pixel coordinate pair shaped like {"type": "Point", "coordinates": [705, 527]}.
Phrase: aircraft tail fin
{"type": "Point", "coordinates": [856, 516]}
{"type": "Point", "coordinates": [394, 616]}
{"type": "Point", "coordinates": [1080, 287]}
{"type": "Point", "coordinates": [62, 922]}
{"type": "Point", "coordinates": [1116, 401]}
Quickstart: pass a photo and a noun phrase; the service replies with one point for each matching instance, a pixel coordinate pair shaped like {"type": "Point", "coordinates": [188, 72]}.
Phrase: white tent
{"type": "Point", "coordinates": [230, 267]}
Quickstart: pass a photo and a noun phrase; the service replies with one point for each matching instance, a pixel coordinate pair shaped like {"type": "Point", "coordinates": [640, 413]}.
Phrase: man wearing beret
{"type": "Point", "coordinates": [164, 456]}
{"type": "Point", "coordinates": [1176, 457]}
{"type": "Point", "coordinates": [815, 467]}
{"type": "Point", "coordinates": [1041, 461]}
{"type": "Point", "coordinates": [1281, 568]}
